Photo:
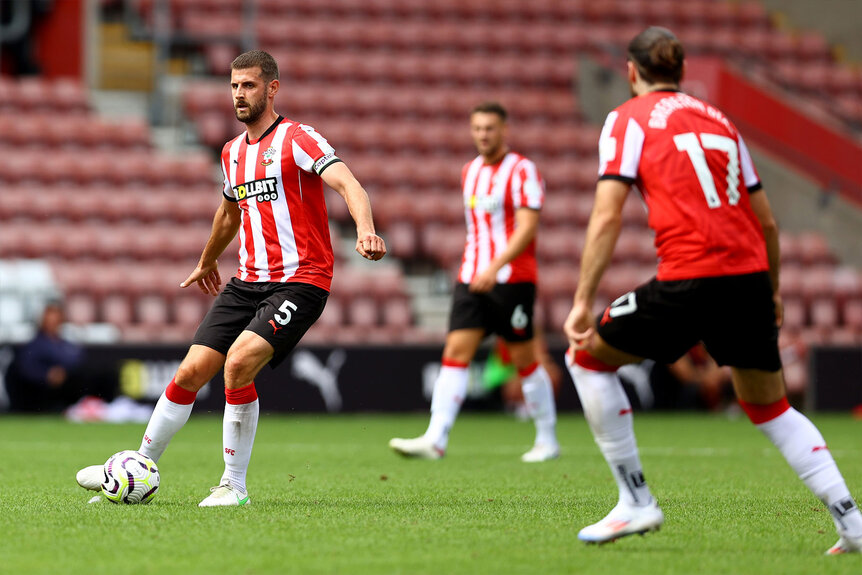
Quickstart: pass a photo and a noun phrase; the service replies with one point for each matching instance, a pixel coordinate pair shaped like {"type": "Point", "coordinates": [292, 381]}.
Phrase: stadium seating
{"type": "Point", "coordinates": [390, 84]}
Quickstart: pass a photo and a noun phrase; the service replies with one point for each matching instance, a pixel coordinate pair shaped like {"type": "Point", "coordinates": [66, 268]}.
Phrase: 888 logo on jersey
{"type": "Point", "coordinates": [264, 190]}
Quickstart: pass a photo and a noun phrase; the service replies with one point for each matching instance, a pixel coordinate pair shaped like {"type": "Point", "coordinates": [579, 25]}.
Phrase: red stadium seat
{"type": "Point", "coordinates": [116, 309]}
{"type": "Point", "coordinates": [401, 240]}
{"type": "Point", "coordinates": [189, 309]}
{"type": "Point", "coordinates": [81, 309]}
{"type": "Point", "coordinates": [824, 313]}
{"type": "Point", "coordinates": [152, 310]}
{"type": "Point", "coordinates": [559, 244]}
{"type": "Point", "coordinates": [847, 283]}
{"type": "Point", "coordinates": [364, 311]}
{"type": "Point", "coordinates": [814, 249]}
{"type": "Point", "coordinates": [817, 281]}
{"type": "Point", "coordinates": [558, 280]}
{"type": "Point", "coordinates": [397, 313]}
{"type": "Point", "coordinates": [795, 314]}
{"type": "Point", "coordinates": [852, 314]}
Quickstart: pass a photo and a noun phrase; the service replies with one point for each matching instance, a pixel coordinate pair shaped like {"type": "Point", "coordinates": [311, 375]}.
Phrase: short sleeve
{"type": "Point", "coordinates": [311, 151]}
{"type": "Point", "coordinates": [620, 147]}
{"type": "Point", "coordinates": [749, 173]}
{"type": "Point", "coordinates": [528, 188]}
{"type": "Point", "coordinates": [227, 190]}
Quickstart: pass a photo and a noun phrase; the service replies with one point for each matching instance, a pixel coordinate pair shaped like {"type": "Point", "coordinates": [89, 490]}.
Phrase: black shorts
{"type": "Point", "coordinates": [734, 316]}
{"type": "Point", "coordinates": [280, 313]}
{"type": "Point", "coordinates": [507, 310]}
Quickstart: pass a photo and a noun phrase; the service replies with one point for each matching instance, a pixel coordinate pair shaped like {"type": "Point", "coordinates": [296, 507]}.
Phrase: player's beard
{"type": "Point", "coordinates": [255, 111]}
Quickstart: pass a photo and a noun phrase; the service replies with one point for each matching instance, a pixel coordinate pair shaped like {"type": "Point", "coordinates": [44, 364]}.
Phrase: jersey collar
{"type": "Point", "coordinates": [267, 132]}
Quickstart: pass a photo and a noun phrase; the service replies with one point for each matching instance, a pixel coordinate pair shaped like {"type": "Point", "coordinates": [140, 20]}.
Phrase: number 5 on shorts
{"type": "Point", "coordinates": [285, 309]}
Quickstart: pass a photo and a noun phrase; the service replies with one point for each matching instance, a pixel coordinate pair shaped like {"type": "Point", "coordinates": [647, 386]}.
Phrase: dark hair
{"type": "Point", "coordinates": [491, 107]}
{"type": "Point", "coordinates": [658, 55]}
{"type": "Point", "coordinates": [257, 59]}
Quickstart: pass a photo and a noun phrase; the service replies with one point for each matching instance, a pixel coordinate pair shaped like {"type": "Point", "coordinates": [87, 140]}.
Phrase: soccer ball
{"type": "Point", "coordinates": [130, 477]}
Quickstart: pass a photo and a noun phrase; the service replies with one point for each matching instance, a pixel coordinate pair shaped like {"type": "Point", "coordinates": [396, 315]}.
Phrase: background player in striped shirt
{"type": "Point", "coordinates": [496, 288]}
{"type": "Point", "coordinates": [273, 198]}
{"type": "Point", "coordinates": [717, 282]}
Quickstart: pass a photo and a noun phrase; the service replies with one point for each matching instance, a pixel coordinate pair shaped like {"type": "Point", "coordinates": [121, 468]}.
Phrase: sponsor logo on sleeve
{"type": "Point", "coordinates": [322, 162]}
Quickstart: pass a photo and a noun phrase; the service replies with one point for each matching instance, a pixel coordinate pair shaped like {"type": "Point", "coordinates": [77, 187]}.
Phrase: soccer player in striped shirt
{"type": "Point", "coordinates": [496, 288]}
{"type": "Point", "coordinates": [717, 282]}
{"type": "Point", "coordinates": [273, 198]}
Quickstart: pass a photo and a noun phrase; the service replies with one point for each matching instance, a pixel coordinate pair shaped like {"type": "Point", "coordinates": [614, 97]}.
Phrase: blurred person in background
{"type": "Point", "coordinates": [694, 381]}
{"type": "Point", "coordinates": [495, 292]}
{"type": "Point", "coordinates": [500, 372]}
{"type": "Point", "coordinates": [717, 282]}
{"type": "Point", "coordinates": [49, 373]}
{"type": "Point", "coordinates": [273, 198]}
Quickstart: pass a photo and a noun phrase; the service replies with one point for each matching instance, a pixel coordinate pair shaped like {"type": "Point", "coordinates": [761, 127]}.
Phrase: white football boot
{"type": "Point", "coordinates": [846, 545]}
{"type": "Point", "coordinates": [541, 452]}
{"type": "Point", "coordinates": [624, 520]}
{"type": "Point", "coordinates": [225, 495]}
{"type": "Point", "coordinates": [418, 447]}
{"type": "Point", "coordinates": [91, 477]}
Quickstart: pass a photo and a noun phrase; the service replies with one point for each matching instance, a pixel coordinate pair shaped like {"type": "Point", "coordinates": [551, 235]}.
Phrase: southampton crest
{"type": "Point", "coordinates": [267, 156]}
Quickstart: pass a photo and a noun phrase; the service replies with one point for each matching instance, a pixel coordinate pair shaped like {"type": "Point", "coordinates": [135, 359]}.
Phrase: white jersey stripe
{"type": "Point", "coordinates": [632, 148]}
{"type": "Point", "coordinates": [749, 174]}
{"type": "Point", "coordinates": [232, 177]}
{"type": "Point", "coordinates": [607, 143]}
{"type": "Point", "coordinates": [261, 261]}
{"type": "Point", "coordinates": [499, 234]}
{"type": "Point", "coordinates": [468, 267]}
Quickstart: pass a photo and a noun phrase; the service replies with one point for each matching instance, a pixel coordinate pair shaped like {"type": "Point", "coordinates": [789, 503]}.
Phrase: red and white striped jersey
{"type": "Point", "coordinates": [492, 193]}
{"type": "Point", "coordinates": [695, 174]}
{"type": "Point", "coordinates": [284, 233]}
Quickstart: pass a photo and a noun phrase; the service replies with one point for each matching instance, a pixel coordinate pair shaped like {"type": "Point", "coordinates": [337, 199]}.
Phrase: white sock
{"type": "Point", "coordinates": [539, 400]}
{"type": "Point", "coordinates": [609, 415]}
{"type": "Point", "coordinates": [239, 428]}
{"type": "Point", "coordinates": [167, 418]}
{"type": "Point", "coordinates": [804, 448]}
{"type": "Point", "coordinates": [449, 391]}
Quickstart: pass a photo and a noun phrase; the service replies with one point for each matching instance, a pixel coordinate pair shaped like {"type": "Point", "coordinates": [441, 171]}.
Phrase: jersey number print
{"type": "Point", "coordinates": [696, 149]}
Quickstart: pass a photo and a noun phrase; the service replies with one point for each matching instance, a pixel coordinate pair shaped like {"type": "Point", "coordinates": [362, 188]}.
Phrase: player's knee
{"type": "Point", "coordinates": [191, 376]}
{"type": "Point", "coordinates": [235, 365]}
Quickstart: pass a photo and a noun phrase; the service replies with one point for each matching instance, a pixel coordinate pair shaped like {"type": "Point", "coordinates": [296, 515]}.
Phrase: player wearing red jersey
{"type": "Point", "coordinates": [502, 194]}
{"type": "Point", "coordinates": [717, 282]}
{"type": "Point", "coordinates": [273, 197]}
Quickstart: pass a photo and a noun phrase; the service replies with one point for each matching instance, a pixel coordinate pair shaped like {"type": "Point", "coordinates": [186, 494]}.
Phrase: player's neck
{"type": "Point", "coordinates": [259, 127]}
{"type": "Point", "coordinates": [662, 87]}
{"type": "Point", "coordinates": [495, 156]}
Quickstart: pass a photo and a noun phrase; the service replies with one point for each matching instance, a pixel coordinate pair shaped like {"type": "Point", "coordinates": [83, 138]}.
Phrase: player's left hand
{"type": "Point", "coordinates": [207, 278]}
{"type": "Point", "coordinates": [484, 281]}
{"type": "Point", "coordinates": [580, 326]}
{"type": "Point", "coordinates": [779, 309]}
{"type": "Point", "coordinates": [371, 246]}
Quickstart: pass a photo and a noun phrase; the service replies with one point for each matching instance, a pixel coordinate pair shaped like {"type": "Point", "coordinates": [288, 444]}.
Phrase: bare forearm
{"type": "Point", "coordinates": [359, 207]}
{"type": "Point", "coordinates": [763, 212]}
{"type": "Point", "coordinates": [773, 254]}
{"type": "Point", "coordinates": [524, 234]}
{"type": "Point", "coordinates": [223, 231]}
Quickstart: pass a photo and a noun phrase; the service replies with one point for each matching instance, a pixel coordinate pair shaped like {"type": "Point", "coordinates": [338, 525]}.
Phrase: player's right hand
{"type": "Point", "coordinates": [207, 278]}
{"type": "Point", "coordinates": [580, 326]}
{"type": "Point", "coordinates": [370, 246]}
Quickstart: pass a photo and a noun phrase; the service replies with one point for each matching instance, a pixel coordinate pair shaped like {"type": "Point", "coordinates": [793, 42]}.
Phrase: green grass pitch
{"type": "Point", "coordinates": [329, 497]}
